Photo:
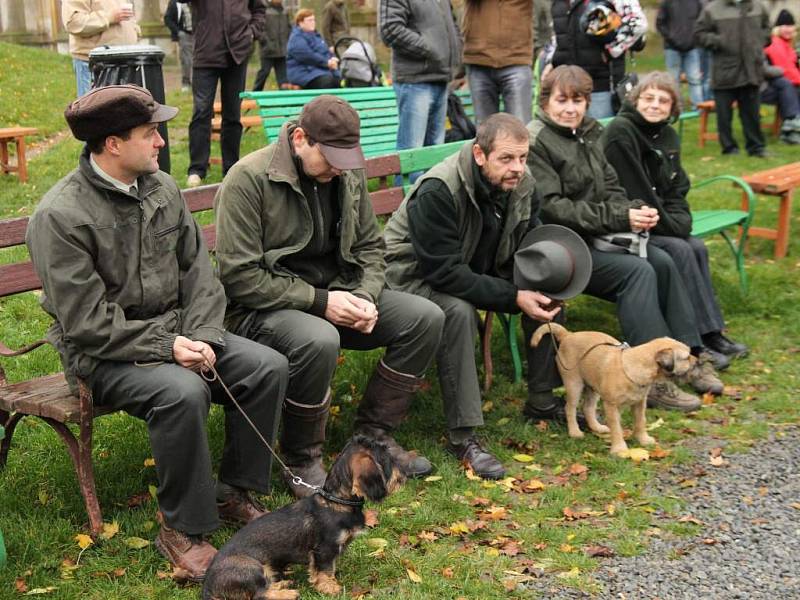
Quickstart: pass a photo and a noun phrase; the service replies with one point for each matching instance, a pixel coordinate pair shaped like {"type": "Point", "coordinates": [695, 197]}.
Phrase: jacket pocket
{"type": "Point", "coordinates": [166, 239]}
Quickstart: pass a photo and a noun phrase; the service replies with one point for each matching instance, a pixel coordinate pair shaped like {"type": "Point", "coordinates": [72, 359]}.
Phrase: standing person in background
{"type": "Point", "coordinates": [309, 62]}
{"type": "Point", "coordinates": [178, 19]}
{"type": "Point", "coordinates": [595, 35]}
{"type": "Point", "coordinates": [92, 23]}
{"type": "Point", "coordinates": [277, 27]}
{"type": "Point", "coordinates": [675, 23]}
{"type": "Point", "coordinates": [426, 52]}
{"type": "Point", "coordinates": [736, 31]}
{"type": "Point", "coordinates": [335, 22]}
{"type": "Point", "coordinates": [542, 35]}
{"type": "Point", "coordinates": [224, 36]}
{"type": "Point", "coordinates": [498, 45]}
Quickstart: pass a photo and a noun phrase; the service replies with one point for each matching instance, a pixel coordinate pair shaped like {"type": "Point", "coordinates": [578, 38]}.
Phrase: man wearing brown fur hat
{"type": "Point", "coordinates": [138, 319]}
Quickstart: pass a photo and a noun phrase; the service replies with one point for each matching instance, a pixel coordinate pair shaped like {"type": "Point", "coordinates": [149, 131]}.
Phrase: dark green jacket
{"type": "Point", "coordinates": [736, 33]}
{"type": "Point", "coordinates": [403, 272]}
{"type": "Point", "coordinates": [122, 275]}
{"type": "Point", "coordinates": [578, 186]}
{"type": "Point", "coordinates": [277, 27]}
{"type": "Point", "coordinates": [647, 159]}
{"type": "Point", "coordinates": [262, 216]}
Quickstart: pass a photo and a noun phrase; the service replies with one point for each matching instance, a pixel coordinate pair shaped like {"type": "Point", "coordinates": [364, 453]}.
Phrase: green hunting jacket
{"type": "Point", "coordinates": [579, 187]}
{"type": "Point", "coordinates": [736, 33]}
{"type": "Point", "coordinates": [403, 272]}
{"type": "Point", "coordinates": [123, 275]}
{"type": "Point", "coordinates": [262, 216]}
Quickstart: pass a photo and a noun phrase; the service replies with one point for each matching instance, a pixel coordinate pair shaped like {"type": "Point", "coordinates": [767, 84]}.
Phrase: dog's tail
{"type": "Point", "coordinates": [558, 331]}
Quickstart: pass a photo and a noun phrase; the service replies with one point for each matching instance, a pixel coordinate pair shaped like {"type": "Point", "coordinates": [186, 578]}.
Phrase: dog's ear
{"type": "Point", "coordinates": [368, 479]}
{"type": "Point", "coordinates": [666, 359]}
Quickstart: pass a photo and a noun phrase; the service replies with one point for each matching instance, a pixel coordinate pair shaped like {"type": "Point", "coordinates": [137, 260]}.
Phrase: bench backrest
{"type": "Point", "coordinates": [376, 106]}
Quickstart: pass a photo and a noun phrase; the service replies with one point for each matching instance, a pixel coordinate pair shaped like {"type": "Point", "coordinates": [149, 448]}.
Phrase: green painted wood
{"type": "Point", "coordinates": [709, 222]}
{"type": "Point", "coordinates": [422, 159]}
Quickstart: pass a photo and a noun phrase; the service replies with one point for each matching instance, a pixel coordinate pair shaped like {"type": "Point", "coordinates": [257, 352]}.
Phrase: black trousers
{"type": "Point", "coordinates": [267, 64]}
{"type": "Point", "coordinates": [204, 88]}
{"type": "Point", "coordinates": [323, 82]}
{"type": "Point", "coordinates": [749, 101]}
{"type": "Point", "coordinates": [174, 402]}
{"type": "Point", "coordinates": [690, 255]}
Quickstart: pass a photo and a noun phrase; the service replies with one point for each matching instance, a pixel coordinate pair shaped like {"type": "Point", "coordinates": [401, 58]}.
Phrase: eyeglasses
{"type": "Point", "coordinates": [662, 100]}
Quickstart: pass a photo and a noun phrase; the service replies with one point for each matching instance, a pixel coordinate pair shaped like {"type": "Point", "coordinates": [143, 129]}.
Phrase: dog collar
{"type": "Point", "coordinates": [331, 498]}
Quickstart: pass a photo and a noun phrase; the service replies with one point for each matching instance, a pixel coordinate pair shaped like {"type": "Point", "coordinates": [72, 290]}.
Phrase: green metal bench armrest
{"type": "Point", "coordinates": [718, 221]}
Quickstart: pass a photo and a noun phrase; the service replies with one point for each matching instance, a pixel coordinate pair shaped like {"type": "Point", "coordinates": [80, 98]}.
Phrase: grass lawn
{"type": "Point", "coordinates": [450, 537]}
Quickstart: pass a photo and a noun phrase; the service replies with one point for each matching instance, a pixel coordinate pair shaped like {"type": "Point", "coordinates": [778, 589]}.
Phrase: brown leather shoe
{"type": "Point", "coordinates": [239, 508]}
{"type": "Point", "coordinates": [190, 553]}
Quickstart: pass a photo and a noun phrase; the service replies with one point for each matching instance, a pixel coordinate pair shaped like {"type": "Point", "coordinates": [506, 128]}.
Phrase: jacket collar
{"type": "Point", "coordinates": [629, 112]}
{"type": "Point", "coordinates": [146, 183]}
{"type": "Point", "coordinates": [587, 126]}
{"type": "Point", "coordinates": [281, 166]}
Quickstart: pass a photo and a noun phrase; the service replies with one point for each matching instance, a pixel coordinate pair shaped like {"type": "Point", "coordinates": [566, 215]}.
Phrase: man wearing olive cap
{"type": "Point", "coordinates": [301, 257]}
{"type": "Point", "coordinates": [139, 314]}
{"type": "Point", "coordinates": [454, 239]}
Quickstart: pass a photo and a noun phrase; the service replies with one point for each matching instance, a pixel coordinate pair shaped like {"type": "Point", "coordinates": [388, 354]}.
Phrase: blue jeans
{"type": "Point", "coordinates": [83, 76]}
{"type": "Point", "coordinates": [513, 83]}
{"type": "Point", "coordinates": [705, 69]}
{"type": "Point", "coordinates": [422, 111]}
{"type": "Point", "coordinates": [600, 107]}
{"type": "Point", "coordinates": [689, 63]}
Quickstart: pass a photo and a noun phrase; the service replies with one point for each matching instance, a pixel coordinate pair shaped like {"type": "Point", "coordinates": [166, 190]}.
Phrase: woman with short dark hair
{"type": "Point", "coordinates": [580, 190]}
{"type": "Point", "coordinates": [645, 151]}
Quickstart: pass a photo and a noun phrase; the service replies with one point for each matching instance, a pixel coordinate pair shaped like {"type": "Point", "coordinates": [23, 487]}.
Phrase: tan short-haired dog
{"type": "Point", "coordinates": [618, 374]}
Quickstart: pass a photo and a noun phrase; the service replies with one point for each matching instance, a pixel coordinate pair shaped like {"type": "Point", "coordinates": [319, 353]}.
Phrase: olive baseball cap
{"type": "Point", "coordinates": [335, 127]}
{"type": "Point", "coordinates": [113, 109]}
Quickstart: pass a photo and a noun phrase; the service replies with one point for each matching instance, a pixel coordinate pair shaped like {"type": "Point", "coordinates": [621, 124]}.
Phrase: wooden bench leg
{"type": "Point", "coordinates": [784, 223]}
{"type": "Point", "coordinates": [703, 127]}
{"type": "Point", "coordinates": [22, 164]}
{"type": "Point", "coordinates": [4, 156]}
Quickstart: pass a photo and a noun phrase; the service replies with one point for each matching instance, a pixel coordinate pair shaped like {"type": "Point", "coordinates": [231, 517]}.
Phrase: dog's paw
{"type": "Point", "coordinates": [282, 594]}
{"type": "Point", "coordinates": [326, 584]}
{"type": "Point", "coordinates": [601, 429]}
{"type": "Point", "coordinates": [619, 450]}
{"type": "Point", "coordinates": [576, 433]}
{"type": "Point", "coordinates": [646, 440]}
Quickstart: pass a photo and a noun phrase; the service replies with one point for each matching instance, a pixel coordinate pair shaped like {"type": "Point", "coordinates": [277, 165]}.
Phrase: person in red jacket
{"type": "Point", "coordinates": [781, 54]}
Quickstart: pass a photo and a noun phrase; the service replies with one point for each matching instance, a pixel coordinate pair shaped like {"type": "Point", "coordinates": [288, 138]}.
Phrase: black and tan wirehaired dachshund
{"type": "Point", "coordinates": [313, 531]}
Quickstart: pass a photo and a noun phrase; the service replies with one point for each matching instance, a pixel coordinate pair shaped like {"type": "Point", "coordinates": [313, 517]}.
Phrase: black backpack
{"type": "Point", "coordinates": [461, 127]}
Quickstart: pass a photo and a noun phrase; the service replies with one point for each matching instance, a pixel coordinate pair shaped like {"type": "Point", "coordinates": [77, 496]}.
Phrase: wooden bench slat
{"type": "Point", "coordinates": [12, 232]}
{"type": "Point", "coordinates": [382, 166]}
{"type": "Point", "coordinates": [385, 202]}
{"type": "Point", "coordinates": [18, 277]}
{"type": "Point", "coordinates": [707, 222]}
{"type": "Point", "coordinates": [200, 198]}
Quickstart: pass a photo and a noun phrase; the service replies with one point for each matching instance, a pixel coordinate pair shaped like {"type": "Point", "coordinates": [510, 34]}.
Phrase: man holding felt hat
{"type": "Point", "coordinates": [300, 255]}
{"type": "Point", "coordinates": [454, 239]}
{"type": "Point", "coordinates": [139, 318]}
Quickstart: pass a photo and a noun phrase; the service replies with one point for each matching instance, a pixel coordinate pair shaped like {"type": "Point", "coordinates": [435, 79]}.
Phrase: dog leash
{"type": "Point", "coordinates": [296, 479]}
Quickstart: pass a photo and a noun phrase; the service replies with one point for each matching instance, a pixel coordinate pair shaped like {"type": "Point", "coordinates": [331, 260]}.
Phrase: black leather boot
{"type": "Point", "coordinates": [302, 438]}
{"type": "Point", "coordinates": [384, 406]}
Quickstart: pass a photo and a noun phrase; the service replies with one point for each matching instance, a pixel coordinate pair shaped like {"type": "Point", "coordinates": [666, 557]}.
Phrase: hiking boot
{"type": "Point", "coordinates": [667, 395]}
{"type": "Point", "coordinates": [556, 412]}
{"type": "Point", "coordinates": [717, 359]}
{"type": "Point", "coordinates": [791, 138]}
{"type": "Point", "coordinates": [188, 552]}
{"type": "Point", "coordinates": [703, 378]}
{"type": "Point", "coordinates": [238, 507]}
{"type": "Point", "coordinates": [471, 454]}
{"type": "Point", "coordinates": [386, 401]}
{"type": "Point", "coordinates": [720, 343]}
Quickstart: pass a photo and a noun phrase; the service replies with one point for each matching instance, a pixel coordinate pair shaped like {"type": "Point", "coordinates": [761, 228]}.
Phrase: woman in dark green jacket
{"type": "Point", "coordinates": [645, 152]}
{"type": "Point", "coordinates": [580, 190]}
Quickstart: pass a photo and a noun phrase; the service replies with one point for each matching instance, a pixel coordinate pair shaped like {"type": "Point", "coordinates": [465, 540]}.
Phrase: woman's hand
{"type": "Point", "coordinates": [333, 63]}
{"type": "Point", "coordinates": [642, 219]}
